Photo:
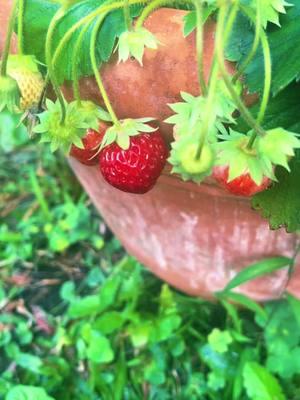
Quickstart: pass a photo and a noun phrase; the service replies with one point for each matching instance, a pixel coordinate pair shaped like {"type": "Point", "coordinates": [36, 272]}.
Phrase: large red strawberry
{"type": "Point", "coordinates": [88, 155]}
{"type": "Point", "coordinates": [243, 185]}
{"type": "Point", "coordinates": [134, 160]}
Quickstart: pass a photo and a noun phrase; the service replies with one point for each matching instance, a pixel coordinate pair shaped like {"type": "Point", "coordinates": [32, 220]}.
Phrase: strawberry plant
{"type": "Point", "coordinates": [248, 151]}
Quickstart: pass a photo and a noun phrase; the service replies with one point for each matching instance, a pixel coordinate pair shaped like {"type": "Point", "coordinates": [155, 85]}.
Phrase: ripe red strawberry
{"type": "Point", "coordinates": [243, 185]}
{"type": "Point", "coordinates": [91, 142]}
{"type": "Point", "coordinates": [136, 168]}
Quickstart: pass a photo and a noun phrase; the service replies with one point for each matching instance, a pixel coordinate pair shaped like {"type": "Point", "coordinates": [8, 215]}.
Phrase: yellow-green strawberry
{"type": "Point", "coordinates": [24, 69]}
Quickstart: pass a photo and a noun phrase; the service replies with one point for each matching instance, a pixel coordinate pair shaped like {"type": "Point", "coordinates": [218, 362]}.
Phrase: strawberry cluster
{"type": "Point", "coordinates": [131, 153]}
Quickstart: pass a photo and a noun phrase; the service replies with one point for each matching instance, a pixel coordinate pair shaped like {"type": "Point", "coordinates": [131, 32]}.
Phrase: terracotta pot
{"type": "Point", "coordinates": [195, 237]}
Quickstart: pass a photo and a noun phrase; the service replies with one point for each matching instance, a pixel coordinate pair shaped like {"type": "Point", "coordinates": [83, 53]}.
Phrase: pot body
{"type": "Point", "coordinates": [195, 237]}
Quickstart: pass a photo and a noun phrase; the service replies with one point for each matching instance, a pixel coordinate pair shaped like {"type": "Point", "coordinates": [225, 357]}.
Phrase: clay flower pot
{"type": "Point", "coordinates": [195, 237]}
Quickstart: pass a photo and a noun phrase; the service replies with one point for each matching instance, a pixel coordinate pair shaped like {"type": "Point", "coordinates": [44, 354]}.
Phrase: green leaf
{"type": "Point", "coordinates": [282, 111]}
{"type": "Point", "coordinates": [260, 384]}
{"type": "Point", "coordinates": [284, 44]}
{"type": "Point", "coordinates": [219, 340]}
{"type": "Point", "coordinates": [109, 322]}
{"type": "Point", "coordinates": [280, 204]}
{"type": "Point", "coordinates": [284, 361]}
{"type": "Point", "coordinates": [190, 20]}
{"type": "Point", "coordinates": [295, 306]}
{"type": "Point", "coordinates": [258, 269]}
{"type": "Point", "coordinates": [29, 362]}
{"type": "Point", "coordinates": [38, 14]}
{"type": "Point", "coordinates": [84, 307]}
{"type": "Point", "coordinates": [12, 133]}
{"type": "Point", "coordinates": [67, 291]}
{"type": "Point", "coordinates": [216, 381]}
{"type": "Point", "coordinates": [244, 301]}
{"type": "Point", "coordinates": [21, 392]}
{"type": "Point", "coordinates": [99, 349]}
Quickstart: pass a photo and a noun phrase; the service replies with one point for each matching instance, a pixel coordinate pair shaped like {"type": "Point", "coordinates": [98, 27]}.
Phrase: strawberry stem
{"type": "Point", "coordinates": [21, 27]}
{"type": "Point", "coordinates": [251, 140]}
{"type": "Point", "coordinates": [75, 63]}
{"type": "Point", "coordinates": [267, 67]}
{"type": "Point", "coordinates": [127, 17]}
{"type": "Point", "coordinates": [199, 45]}
{"type": "Point", "coordinates": [51, 70]}
{"type": "Point", "coordinates": [8, 38]}
{"type": "Point", "coordinates": [254, 47]}
{"type": "Point", "coordinates": [221, 36]}
{"type": "Point", "coordinates": [97, 72]}
{"type": "Point", "coordinates": [239, 103]}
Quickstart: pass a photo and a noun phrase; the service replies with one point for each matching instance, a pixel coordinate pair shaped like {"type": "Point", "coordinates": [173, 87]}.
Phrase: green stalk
{"type": "Point", "coordinates": [97, 73]}
{"type": "Point", "coordinates": [222, 35]}
{"type": "Point", "coordinates": [50, 65]}
{"type": "Point", "coordinates": [9, 34]}
{"type": "Point", "coordinates": [239, 103]}
{"type": "Point", "coordinates": [75, 57]}
{"type": "Point", "coordinates": [254, 47]}
{"type": "Point", "coordinates": [21, 27]}
{"type": "Point", "coordinates": [127, 17]}
{"type": "Point", "coordinates": [75, 60]}
{"type": "Point", "coordinates": [267, 67]}
{"type": "Point", "coordinates": [267, 77]}
{"type": "Point", "coordinates": [199, 46]}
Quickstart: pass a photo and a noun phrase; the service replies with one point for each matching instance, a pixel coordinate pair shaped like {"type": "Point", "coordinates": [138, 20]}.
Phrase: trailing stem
{"type": "Point", "coordinates": [222, 34]}
{"type": "Point", "coordinates": [75, 62]}
{"type": "Point", "coordinates": [96, 70]}
{"type": "Point", "coordinates": [220, 57]}
{"type": "Point", "coordinates": [51, 70]}
{"type": "Point", "coordinates": [199, 45]}
{"type": "Point", "coordinates": [127, 17]}
{"type": "Point", "coordinates": [254, 47]}
{"type": "Point", "coordinates": [267, 77]}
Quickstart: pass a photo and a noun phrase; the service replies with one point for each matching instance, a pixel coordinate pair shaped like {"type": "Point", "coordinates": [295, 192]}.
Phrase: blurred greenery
{"type": "Point", "coordinates": [82, 320]}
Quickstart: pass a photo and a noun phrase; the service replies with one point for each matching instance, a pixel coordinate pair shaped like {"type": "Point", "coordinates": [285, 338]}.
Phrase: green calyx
{"type": "Point", "coordinates": [62, 135]}
{"type": "Point", "coordinates": [185, 161]}
{"type": "Point", "coordinates": [92, 113]}
{"type": "Point", "coordinates": [190, 114]}
{"type": "Point", "coordinates": [9, 94]}
{"type": "Point", "coordinates": [25, 62]}
{"type": "Point", "coordinates": [133, 44]}
{"type": "Point", "coordinates": [270, 10]}
{"type": "Point", "coordinates": [276, 147]}
{"type": "Point", "coordinates": [120, 133]}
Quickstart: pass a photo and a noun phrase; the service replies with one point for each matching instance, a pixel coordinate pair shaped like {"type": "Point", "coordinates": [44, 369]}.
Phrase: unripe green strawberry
{"type": "Point", "coordinates": [186, 161]}
{"type": "Point", "coordinates": [193, 164]}
{"type": "Point", "coordinates": [30, 81]}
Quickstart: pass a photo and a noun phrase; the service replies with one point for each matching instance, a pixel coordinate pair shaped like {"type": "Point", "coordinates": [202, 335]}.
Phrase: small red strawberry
{"type": "Point", "coordinates": [133, 161]}
{"type": "Point", "coordinates": [91, 142]}
{"type": "Point", "coordinates": [243, 185]}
